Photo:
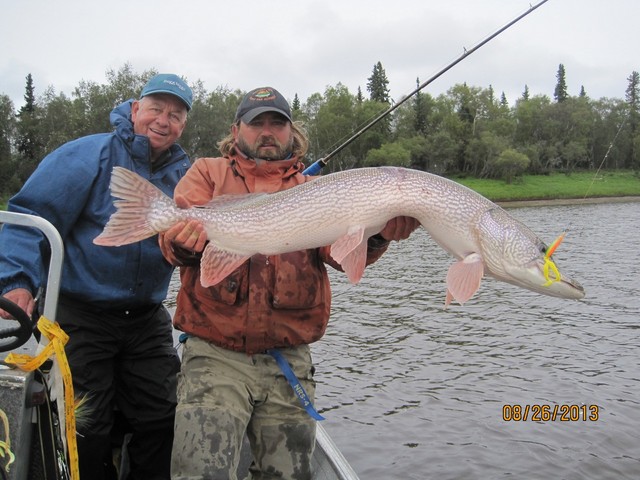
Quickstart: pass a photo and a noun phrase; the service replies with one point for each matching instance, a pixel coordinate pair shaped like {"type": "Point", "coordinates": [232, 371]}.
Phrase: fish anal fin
{"type": "Point", "coordinates": [217, 264]}
{"type": "Point", "coordinates": [463, 278]}
{"type": "Point", "coordinates": [350, 251]}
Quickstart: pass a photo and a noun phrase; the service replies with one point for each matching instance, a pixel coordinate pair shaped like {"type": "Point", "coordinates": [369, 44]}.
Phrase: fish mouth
{"type": "Point", "coordinates": [567, 288]}
{"type": "Point", "coordinates": [533, 277]}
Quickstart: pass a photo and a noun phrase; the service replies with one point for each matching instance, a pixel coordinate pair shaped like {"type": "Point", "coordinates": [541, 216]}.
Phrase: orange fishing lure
{"type": "Point", "coordinates": [548, 263]}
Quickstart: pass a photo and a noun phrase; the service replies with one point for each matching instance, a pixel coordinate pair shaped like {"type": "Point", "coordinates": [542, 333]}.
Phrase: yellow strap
{"type": "Point", "coordinates": [5, 446]}
{"type": "Point", "coordinates": [57, 340]}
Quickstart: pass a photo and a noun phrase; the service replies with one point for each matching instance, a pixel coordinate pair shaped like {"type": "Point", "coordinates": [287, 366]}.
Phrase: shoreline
{"type": "Point", "coordinates": [566, 201]}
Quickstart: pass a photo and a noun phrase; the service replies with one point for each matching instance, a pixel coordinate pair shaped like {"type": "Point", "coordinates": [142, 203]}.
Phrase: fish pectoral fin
{"type": "Point", "coordinates": [217, 264]}
{"type": "Point", "coordinates": [448, 299]}
{"type": "Point", "coordinates": [463, 278]}
{"type": "Point", "coordinates": [355, 262]}
{"type": "Point", "coordinates": [350, 251]}
{"type": "Point", "coordinates": [347, 243]}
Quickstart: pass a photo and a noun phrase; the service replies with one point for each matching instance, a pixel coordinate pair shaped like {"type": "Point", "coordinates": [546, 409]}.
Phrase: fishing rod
{"type": "Point", "coordinates": [315, 168]}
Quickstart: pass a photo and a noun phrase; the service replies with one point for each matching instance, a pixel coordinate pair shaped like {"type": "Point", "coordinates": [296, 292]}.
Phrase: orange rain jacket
{"type": "Point", "coordinates": [269, 302]}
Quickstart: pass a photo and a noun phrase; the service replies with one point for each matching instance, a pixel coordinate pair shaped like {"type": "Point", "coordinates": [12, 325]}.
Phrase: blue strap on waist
{"type": "Point", "coordinates": [295, 383]}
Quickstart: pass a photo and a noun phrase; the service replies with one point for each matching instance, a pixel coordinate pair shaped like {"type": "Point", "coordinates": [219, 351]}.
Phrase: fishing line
{"type": "Point", "coordinates": [604, 159]}
{"type": "Point", "coordinates": [595, 175]}
{"type": "Point", "coordinates": [548, 263]}
{"type": "Point", "coordinates": [315, 168]}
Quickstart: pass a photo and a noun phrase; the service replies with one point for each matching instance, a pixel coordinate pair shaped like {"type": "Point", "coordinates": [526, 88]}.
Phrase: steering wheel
{"type": "Point", "coordinates": [17, 335]}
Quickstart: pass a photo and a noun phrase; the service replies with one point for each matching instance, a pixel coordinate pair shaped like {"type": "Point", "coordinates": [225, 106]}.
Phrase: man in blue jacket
{"type": "Point", "coordinates": [120, 348]}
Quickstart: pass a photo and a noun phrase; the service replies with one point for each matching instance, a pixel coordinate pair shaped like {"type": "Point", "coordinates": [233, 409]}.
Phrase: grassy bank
{"type": "Point", "coordinates": [558, 186]}
{"type": "Point", "coordinates": [552, 187]}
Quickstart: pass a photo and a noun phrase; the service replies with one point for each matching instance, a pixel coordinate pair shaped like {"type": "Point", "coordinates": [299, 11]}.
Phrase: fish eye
{"type": "Point", "coordinates": [543, 249]}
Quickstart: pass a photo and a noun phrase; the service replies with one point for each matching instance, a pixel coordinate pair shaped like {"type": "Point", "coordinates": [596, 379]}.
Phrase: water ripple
{"type": "Point", "coordinates": [414, 391]}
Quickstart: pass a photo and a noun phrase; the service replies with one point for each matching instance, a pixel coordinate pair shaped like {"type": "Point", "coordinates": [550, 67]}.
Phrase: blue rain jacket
{"type": "Point", "coordinates": [70, 188]}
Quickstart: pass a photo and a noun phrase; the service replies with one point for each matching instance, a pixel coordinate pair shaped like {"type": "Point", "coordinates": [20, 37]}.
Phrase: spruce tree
{"type": "Point", "coordinates": [420, 118]}
{"type": "Point", "coordinates": [28, 144]}
{"type": "Point", "coordinates": [295, 105]}
{"type": "Point", "coordinates": [29, 97]}
{"type": "Point", "coordinates": [560, 93]}
{"type": "Point", "coordinates": [503, 101]}
{"type": "Point", "coordinates": [378, 87]}
{"type": "Point", "coordinates": [378, 84]}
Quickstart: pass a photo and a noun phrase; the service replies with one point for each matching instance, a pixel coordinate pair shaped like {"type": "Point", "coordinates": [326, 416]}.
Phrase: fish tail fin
{"type": "Point", "coordinates": [136, 215]}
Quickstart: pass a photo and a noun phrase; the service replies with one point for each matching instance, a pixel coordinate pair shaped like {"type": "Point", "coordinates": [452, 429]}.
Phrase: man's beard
{"type": "Point", "coordinates": [278, 151]}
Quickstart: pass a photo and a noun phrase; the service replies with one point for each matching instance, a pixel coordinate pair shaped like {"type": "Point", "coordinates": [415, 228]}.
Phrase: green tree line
{"type": "Point", "coordinates": [468, 130]}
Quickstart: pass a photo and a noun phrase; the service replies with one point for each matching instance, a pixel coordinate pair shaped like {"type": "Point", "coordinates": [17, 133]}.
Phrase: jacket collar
{"type": "Point", "coordinates": [264, 176]}
{"type": "Point", "coordinates": [244, 166]}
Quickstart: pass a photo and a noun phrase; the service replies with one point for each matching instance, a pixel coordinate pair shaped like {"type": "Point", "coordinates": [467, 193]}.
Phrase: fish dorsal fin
{"type": "Point", "coordinates": [350, 251]}
{"type": "Point", "coordinates": [463, 278]}
{"type": "Point", "coordinates": [232, 200]}
{"type": "Point", "coordinates": [217, 264]}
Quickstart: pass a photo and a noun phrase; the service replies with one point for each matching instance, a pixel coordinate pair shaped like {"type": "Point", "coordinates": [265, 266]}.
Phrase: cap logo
{"type": "Point", "coordinates": [263, 95]}
{"type": "Point", "coordinates": [174, 83]}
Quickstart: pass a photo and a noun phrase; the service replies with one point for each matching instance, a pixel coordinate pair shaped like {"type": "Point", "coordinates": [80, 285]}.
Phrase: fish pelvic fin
{"type": "Point", "coordinates": [350, 251]}
{"type": "Point", "coordinates": [217, 264]}
{"type": "Point", "coordinates": [134, 218]}
{"type": "Point", "coordinates": [463, 279]}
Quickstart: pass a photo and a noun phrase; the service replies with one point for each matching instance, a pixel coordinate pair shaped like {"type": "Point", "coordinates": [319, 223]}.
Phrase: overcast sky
{"type": "Point", "coordinates": [300, 46]}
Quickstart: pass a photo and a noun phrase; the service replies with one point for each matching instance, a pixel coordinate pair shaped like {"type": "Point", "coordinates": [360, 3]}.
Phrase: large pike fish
{"type": "Point", "coordinates": [343, 210]}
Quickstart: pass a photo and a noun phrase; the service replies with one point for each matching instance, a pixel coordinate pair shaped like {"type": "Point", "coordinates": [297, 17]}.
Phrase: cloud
{"type": "Point", "coordinates": [303, 47]}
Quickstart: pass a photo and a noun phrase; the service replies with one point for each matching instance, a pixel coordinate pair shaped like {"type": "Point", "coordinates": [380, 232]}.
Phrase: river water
{"type": "Point", "coordinates": [412, 391]}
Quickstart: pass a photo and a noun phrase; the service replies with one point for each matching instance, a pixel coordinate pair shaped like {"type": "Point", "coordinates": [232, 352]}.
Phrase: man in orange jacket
{"type": "Point", "coordinates": [247, 331]}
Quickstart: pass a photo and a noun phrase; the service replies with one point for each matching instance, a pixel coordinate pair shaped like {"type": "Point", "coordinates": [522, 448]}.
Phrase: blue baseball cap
{"type": "Point", "coordinates": [171, 84]}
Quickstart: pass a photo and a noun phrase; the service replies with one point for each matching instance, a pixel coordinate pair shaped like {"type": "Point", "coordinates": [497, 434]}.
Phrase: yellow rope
{"type": "Point", "coordinates": [57, 340]}
{"type": "Point", "coordinates": [5, 446]}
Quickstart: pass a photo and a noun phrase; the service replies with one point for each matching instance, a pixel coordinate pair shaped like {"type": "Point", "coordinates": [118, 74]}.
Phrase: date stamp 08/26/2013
{"type": "Point", "coordinates": [550, 413]}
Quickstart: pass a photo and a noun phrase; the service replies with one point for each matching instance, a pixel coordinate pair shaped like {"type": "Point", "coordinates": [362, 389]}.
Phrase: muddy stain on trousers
{"type": "Point", "coordinates": [223, 394]}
